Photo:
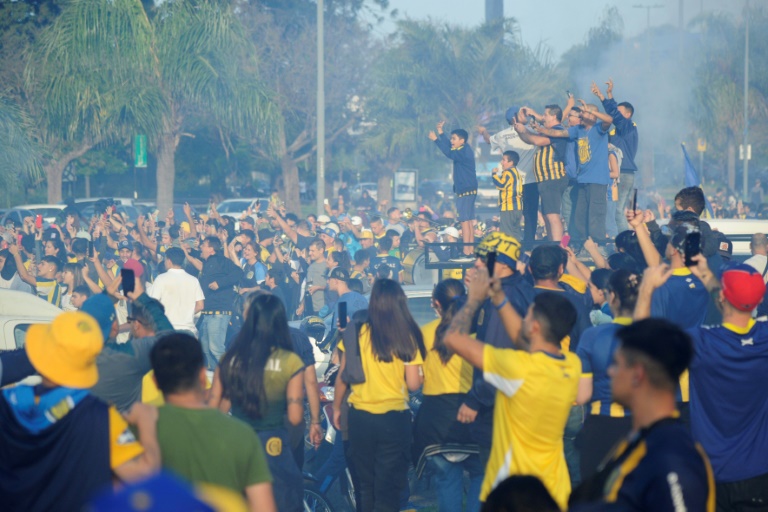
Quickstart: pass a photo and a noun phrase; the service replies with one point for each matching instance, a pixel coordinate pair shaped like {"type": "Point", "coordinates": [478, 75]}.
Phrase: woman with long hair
{"type": "Point", "coordinates": [381, 366]}
{"type": "Point", "coordinates": [71, 277]}
{"type": "Point", "coordinates": [606, 421]}
{"type": "Point", "coordinates": [259, 380]}
{"type": "Point", "coordinates": [447, 380]}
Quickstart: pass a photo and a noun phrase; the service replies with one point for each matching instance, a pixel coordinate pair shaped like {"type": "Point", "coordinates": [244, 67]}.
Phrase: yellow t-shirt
{"type": "Point", "coordinates": [535, 392]}
{"type": "Point", "coordinates": [439, 378]}
{"type": "Point", "coordinates": [384, 388]}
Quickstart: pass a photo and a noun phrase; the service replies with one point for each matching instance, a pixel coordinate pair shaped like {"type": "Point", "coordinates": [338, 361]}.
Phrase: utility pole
{"type": "Point", "coordinates": [746, 102]}
{"type": "Point", "coordinates": [320, 108]}
{"type": "Point", "coordinates": [494, 10]}
{"type": "Point", "coordinates": [648, 8]}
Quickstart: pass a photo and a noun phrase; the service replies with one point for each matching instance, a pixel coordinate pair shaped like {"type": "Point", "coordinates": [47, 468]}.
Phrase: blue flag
{"type": "Point", "coordinates": [692, 179]}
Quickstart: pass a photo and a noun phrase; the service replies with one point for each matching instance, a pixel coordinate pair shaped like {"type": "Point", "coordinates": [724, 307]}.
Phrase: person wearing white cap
{"type": "Point", "coordinates": [322, 220]}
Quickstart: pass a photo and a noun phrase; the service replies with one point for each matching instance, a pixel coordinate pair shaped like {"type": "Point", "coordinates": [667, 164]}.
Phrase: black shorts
{"type": "Point", "coordinates": [551, 193]}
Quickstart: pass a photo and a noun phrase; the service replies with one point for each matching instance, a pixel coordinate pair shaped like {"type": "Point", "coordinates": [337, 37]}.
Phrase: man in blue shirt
{"type": "Point", "coordinates": [464, 179]}
{"type": "Point", "coordinates": [729, 412]}
{"type": "Point", "coordinates": [623, 136]}
{"type": "Point", "coordinates": [592, 180]}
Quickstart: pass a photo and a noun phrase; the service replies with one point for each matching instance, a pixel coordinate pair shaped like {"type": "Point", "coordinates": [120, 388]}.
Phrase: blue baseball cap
{"type": "Point", "coordinates": [100, 307]}
{"type": "Point", "coordinates": [511, 113]}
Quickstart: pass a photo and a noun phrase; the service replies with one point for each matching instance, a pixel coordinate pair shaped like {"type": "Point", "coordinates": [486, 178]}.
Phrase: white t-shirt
{"type": "Point", "coordinates": [509, 140]}
{"type": "Point", "coordinates": [178, 292]}
{"type": "Point", "coordinates": [758, 262]}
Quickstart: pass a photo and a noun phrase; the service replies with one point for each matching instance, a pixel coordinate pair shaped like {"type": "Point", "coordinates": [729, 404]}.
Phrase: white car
{"type": "Point", "coordinates": [356, 191]}
{"type": "Point", "coordinates": [19, 310]}
{"type": "Point", "coordinates": [48, 211]}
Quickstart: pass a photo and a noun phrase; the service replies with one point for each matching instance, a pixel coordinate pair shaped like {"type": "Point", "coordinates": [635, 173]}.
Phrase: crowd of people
{"type": "Point", "coordinates": [554, 376]}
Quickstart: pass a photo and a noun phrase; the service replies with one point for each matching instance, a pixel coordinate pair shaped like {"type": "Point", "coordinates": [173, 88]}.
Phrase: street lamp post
{"type": "Point", "coordinates": [320, 108]}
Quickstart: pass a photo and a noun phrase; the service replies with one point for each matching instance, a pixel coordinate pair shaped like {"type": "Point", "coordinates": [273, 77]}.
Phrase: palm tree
{"type": "Point", "coordinates": [106, 71]}
{"type": "Point", "coordinates": [19, 155]}
{"type": "Point", "coordinates": [465, 76]}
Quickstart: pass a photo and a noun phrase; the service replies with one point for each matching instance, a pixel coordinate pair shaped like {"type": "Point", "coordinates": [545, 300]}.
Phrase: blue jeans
{"type": "Point", "coordinates": [213, 335]}
{"type": "Point", "coordinates": [448, 478]}
{"type": "Point", "coordinates": [626, 188]}
{"type": "Point", "coordinates": [572, 455]}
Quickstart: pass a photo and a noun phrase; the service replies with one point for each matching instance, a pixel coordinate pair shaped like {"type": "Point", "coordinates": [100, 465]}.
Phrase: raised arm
{"type": "Point", "coordinates": [23, 274]}
{"type": "Point", "coordinates": [653, 278]}
{"type": "Point", "coordinates": [531, 138]}
{"type": "Point", "coordinates": [651, 255]}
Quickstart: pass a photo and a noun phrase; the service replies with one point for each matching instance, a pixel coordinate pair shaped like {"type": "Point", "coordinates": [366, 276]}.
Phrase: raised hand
{"type": "Point", "coordinates": [609, 89]}
{"type": "Point", "coordinates": [440, 125]}
{"type": "Point", "coordinates": [432, 136]}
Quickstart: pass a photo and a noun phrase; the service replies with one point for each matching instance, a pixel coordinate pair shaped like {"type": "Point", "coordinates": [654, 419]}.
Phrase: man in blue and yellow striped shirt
{"type": "Point", "coordinates": [510, 185]}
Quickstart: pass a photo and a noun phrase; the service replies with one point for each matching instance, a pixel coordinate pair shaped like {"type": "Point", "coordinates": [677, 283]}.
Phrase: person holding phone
{"type": "Point", "coordinates": [388, 355]}
{"type": "Point", "coordinates": [682, 298]}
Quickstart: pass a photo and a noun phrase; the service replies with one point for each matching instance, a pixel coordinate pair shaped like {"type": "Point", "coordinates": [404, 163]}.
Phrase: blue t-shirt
{"type": "Point", "coordinates": [729, 409]}
{"type": "Point", "coordinates": [682, 300]}
{"type": "Point", "coordinates": [596, 349]}
{"type": "Point", "coordinates": [591, 153]}
{"type": "Point", "coordinates": [386, 260]}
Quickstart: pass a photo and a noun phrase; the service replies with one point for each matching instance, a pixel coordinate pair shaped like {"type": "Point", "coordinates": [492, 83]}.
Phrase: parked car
{"type": "Point", "coordinates": [15, 215]}
{"type": "Point", "coordinates": [19, 310]}
{"type": "Point", "coordinates": [48, 211]}
{"type": "Point", "coordinates": [236, 207]}
{"type": "Point", "coordinates": [356, 191]}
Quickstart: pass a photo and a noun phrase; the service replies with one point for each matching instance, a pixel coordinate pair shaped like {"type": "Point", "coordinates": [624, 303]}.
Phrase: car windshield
{"type": "Point", "coordinates": [233, 206]}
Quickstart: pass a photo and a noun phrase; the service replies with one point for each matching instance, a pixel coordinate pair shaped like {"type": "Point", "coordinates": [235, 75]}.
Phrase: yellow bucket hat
{"type": "Point", "coordinates": [65, 350]}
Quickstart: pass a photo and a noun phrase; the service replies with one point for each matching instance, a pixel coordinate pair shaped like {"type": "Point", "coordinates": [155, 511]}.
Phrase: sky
{"type": "Point", "coordinates": [558, 23]}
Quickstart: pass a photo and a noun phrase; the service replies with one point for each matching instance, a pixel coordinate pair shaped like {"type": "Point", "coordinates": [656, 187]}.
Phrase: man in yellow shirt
{"type": "Point", "coordinates": [535, 386]}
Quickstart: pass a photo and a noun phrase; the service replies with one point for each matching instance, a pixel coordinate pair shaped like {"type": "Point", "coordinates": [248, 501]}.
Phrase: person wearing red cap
{"type": "Point", "coordinates": [728, 379]}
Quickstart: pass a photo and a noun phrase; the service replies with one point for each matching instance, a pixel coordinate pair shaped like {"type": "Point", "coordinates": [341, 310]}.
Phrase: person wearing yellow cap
{"type": "Point", "coordinates": [61, 444]}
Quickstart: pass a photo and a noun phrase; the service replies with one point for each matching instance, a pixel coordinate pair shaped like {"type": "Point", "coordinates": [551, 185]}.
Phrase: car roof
{"type": "Point", "coordinates": [26, 305]}
{"type": "Point", "coordinates": [42, 205]}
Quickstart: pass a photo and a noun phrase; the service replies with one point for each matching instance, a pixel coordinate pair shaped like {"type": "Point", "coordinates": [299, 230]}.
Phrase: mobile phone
{"type": "Point", "coordinates": [692, 248]}
{"type": "Point", "coordinates": [634, 202]}
{"type": "Point", "coordinates": [342, 314]}
{"type": "Point", "coordinates": [18, 239]}
{"type": "Point", "coordinates": [90, 249]}
{"type": "Point", "coordinates": [531, 119]}
{"type": "Point", "coordinates": [490, 262]}
{"type": "Point", "coordinates": [39, 221]}
{"type": "Point", "coordinates": [565, 241]}
{"type": "Point", "coordinates": [325, 201]}
{"type": "Point", "coordinates": [568, 93]}
{"type": "Point", "coordinates": [128, 280]}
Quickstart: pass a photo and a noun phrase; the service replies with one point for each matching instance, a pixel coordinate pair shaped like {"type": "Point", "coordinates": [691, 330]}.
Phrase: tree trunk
{"type": "Point", "coordinates": [166, 160]}
{"type": "Point", "coordinates": [54, 170]}
{"type": "Point", "coordinates": [290, 173]}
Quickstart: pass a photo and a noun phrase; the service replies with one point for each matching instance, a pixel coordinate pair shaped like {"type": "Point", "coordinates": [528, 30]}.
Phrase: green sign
{"type": "Point", "coordinates": [140, 151]}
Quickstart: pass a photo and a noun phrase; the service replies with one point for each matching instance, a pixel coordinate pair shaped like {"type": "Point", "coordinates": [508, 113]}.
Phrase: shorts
{"type": "Point", "coordinates": [465, 207]}
{"type": "Point", "coordinates": [551, 193]}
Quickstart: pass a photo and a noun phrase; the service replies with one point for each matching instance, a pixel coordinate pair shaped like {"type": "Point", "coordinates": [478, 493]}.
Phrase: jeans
{"type": "Point", "coordinates": [334, 466]}
{"type": "Point", "coordinates": [449, 482]}
{"type": "Point", "coordinates": [589, 213]}
{"type": "Point", "coordinates": [530, 213]}
{"type": "Point", "coordinates": [213, 336]}
{"type": "Point", "coordinates": [379, 453]}
{"type": "Point", "coordinates": [750, 495]}
{"type": "Point", "coordinates": [572, 454]}
{"type": "Point", "coordinates": [568, 202]}
{"type": "Point", "coordinates": [626, 188]}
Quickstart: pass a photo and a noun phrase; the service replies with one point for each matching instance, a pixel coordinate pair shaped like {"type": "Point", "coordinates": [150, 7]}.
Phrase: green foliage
{"type": "Point", "coordinates": [718, 106]}
{"type": "Point", "coordinates": [19, 155]}
{"type": "Point", "coordinates": [430, 72]}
